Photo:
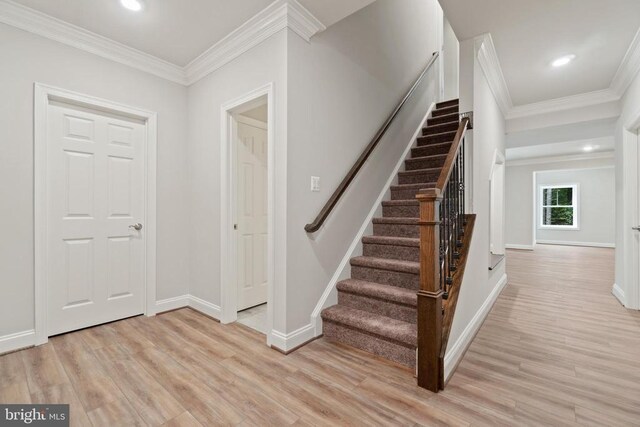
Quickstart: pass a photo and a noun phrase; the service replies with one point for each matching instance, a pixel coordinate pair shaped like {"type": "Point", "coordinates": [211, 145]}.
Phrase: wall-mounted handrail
{"type": "Point", "coordinates": [342, 188]}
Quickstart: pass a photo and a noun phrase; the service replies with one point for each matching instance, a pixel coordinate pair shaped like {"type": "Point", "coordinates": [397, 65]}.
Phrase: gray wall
{"type": "Point", "coordinates": [519, 201]}
{"type": "Point", "coordinates": [596, 203]}
{"type": "Point", "coordinates": [341, 88]}
{"type": "Point", "coordinates": [28, 58]}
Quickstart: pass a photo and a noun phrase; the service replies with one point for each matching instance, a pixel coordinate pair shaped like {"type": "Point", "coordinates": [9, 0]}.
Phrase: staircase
{"type": "Point", "coordinates": [377, 306]}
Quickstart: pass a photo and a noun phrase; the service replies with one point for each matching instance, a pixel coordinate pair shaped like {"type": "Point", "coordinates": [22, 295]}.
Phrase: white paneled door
{"type": "Point", "coordinates": [95, 254]}
{"type": "Point", "coordinates": [252, 215]}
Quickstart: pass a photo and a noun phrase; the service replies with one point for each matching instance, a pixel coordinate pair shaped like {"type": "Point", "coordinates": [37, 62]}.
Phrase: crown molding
{"type": "Point", "coordinates": [488, 60]}
{"type": "Point", "coordinates": [558, 159]}
{"type": "Point", "coordinates": [490, 64]}
{"type": "Point", "coordinates": [277, 16]}
{"type": "Point", "coordinates": [52, 28]}
{"type": "Point", "coordinates": [629, 68]}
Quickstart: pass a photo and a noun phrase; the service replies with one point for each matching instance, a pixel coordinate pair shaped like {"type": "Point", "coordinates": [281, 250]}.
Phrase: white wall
{"type": "Point", "coordinates": [627, 198]}
{"type": "Point", "coordinates": [596, 206]}
{"type": "Point", "coordinates": [451, 60]}
{"type": "Point", "coordinates": [263, 64]}
{"type": "Point", "coordinates": [341, 88]}
{"type": "Point", "coordinates": [480, 285]}
{"type": "Point", "coordinates": [27, 58]}
{"type": "Point", "coordinates": [519, 200]}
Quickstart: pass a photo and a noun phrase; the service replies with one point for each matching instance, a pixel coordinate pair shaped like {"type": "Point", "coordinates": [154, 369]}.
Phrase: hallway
{"type": "Point", "coordinates": [557, 349]}
{"type": "Point", "coordinates": [557, 345]}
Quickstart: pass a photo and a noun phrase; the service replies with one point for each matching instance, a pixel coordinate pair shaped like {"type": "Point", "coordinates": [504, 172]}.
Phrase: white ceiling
{"type": "Point", "coordinates": [177, 31]}
{"type": "Point", "coordinates": [529, 34]}
{"type": "Point", "coordinates": [562, 140]}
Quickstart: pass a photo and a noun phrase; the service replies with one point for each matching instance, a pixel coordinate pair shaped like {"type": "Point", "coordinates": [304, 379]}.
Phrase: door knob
{"type": "Point", "coordinates": [636, 228]}
{"type": "Point", "coordinates": [137, 226]}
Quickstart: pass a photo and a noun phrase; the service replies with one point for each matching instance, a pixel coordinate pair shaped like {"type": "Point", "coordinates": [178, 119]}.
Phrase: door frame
{"type": "Point", "coordinates": [228, 193]}
{"type": "Point", "coordinates": [43, 95]}
{"type": "Point", "coordinates": [629, 292]}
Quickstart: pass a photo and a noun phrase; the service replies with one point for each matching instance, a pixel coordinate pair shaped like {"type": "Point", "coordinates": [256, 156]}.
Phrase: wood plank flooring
{"type": "Point", "coordinates": [557, 349]}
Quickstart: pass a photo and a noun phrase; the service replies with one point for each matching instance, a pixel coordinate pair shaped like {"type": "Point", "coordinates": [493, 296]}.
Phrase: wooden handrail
{"type": "Point", "coordinates": [342, 188]}
{"type": "Point", "coordinates": [445, 173]}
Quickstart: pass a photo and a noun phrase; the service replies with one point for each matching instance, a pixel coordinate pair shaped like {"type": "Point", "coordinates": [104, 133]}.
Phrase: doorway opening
{"type": "Point", "coordinates": [496, 211]}
{"type": "Point", "coordinates": [251, 219]}
{"type": "Point", "coordinates": [247, 245]}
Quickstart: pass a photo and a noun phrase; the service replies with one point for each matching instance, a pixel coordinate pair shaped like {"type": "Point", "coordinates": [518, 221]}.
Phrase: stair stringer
{"type": "Point", "coordinates": [330, 295]}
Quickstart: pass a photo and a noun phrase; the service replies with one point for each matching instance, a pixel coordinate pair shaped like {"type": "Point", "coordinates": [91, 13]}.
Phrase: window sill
{"type": "Point", "coordinates": [559, 227]}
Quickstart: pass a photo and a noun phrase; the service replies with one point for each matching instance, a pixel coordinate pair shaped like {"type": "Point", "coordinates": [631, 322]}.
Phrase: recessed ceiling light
{"type": "Point", "coordinates": [134, 5]}
{"type": "Point", "coordinates": [562, 61]}
{"type": "Point", "coordinates": [588, 148]}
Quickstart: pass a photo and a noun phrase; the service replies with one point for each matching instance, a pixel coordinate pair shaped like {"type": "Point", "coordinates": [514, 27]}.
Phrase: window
{"type": "Point", "coordinates": [559, 206]}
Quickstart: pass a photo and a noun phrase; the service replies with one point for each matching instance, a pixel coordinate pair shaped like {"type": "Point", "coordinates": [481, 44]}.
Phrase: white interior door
{"type": "Point", "coordinates": [251, 211]}
{"type": "Point", "coordinates": [95, 259]}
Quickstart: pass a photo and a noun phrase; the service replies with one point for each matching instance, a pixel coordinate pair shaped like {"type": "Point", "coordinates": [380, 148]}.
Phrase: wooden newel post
{"type": "Point", "coordinates": [430, 294]}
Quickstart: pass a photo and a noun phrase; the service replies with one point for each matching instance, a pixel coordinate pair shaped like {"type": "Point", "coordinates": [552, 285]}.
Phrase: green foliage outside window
{"type": "Point", "coordinates": [557, 206]}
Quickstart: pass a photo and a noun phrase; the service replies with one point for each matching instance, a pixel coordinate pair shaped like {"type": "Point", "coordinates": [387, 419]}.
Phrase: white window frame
{"type": "Point", "coordinates": [575, 204]}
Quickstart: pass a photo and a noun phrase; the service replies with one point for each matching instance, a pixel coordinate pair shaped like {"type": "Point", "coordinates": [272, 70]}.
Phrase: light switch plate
{"type": "Point", "coordinates": [315, 183]}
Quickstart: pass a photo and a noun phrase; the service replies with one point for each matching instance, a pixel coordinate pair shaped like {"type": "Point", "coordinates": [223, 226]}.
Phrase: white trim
{"type": "Point", "coordinates": [490, 64]}
{"type": "Point", "coordinates": [228, 288]}
{"type": "Point", "coordinates": [35, 22]}
{"type": "Point", "coordinates": [343, 268]}
{"type": "Point", "coordinates": [277, 16]}
{"type": "Point", "coordinates": [456, 351]}
{"type": "Point", "coordinates": [519, 247]}
{"type": "Point", "coordinates": [629, 67]}
{"type": "Point", "coordinates": [575, 205]}
{"type": "Point", "coordinates": [558, 159]}
{"type": "Point", "coordinates": [205, 307]}
{"type": "Point", "coordinates": [172, 303]}
{"type": "Point", "coordinates": [574, 243]}
{"type": "Point", "coordinates": [565, 103]}
{"type": "Point", "coordinates": [619, 294]}
{"type": "Point", "coordinates": [43, 94]}
{"type": "Point", "coordinates": [17, 341]}
{"type": "Point", "coordinates": [288, 342]}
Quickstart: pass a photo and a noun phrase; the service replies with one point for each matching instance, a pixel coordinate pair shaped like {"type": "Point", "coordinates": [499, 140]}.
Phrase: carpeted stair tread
{"type": "Point", "coordinates": [408, 202]}
{"type": "Point", "coordinates": [398, 220]}
{"type": "Point", "coordinates": [379, 291]}
{"type": "Point", "coordinates": [386, 264]}
{"type": "Point", "coordinates": [446, 104]}
{"type": "Point", "coordinates": [436, 138]}
{"type": "Point", "coordinates": [390, 240]}
{"type": "Point", "coordinates": [390, 329]}
{"type": "Point", "coordinates": [440, 128]}
{"type": "Point", "coordinates": [418, 186]}
{"type": "Point", "coordinates": [446, 111]}
{"type": "Point", "coordinates": [419, 171]}
{"type": "Point", "coordinates": [445, 118]}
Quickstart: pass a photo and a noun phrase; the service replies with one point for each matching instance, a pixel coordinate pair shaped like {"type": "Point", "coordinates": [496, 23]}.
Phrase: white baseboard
{"type": "Point", "coordinates": [17, 341]}
{"type": "Point", "coordinates": [456, 350]}
{"type": "Point", "coordinates": [328, 296]}
{"type": "Point", "coordinates": [187, 300]}
{"type": "Point", "coordinates": [570, 243]}
{"type": "Point", "coordinates": [519, 247]}
{"type": "Point", "coordinates": [287, 342]}
{"type": "Point", "coordinates": [172, 303]}
{"type": "Point", "coordinates": [619, 294]}
{"type": "Point", "coordinates": [205, 307]}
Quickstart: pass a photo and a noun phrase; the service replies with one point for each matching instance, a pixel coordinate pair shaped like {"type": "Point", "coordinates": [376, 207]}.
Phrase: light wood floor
{"type": "Point", "coordinates": [557, 349]}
